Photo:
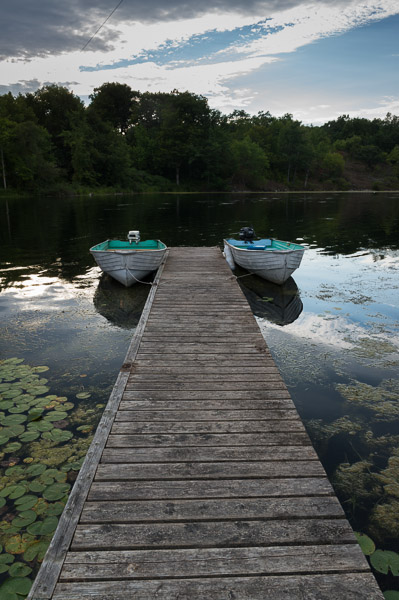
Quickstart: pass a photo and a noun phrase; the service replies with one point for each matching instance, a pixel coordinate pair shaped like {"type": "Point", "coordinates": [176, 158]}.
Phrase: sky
{"type": "Point", "coordinates": [316, 60]}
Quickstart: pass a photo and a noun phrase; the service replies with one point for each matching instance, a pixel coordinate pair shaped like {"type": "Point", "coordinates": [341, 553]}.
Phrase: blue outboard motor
{"type": "Point", "coordinates": [247, 234]}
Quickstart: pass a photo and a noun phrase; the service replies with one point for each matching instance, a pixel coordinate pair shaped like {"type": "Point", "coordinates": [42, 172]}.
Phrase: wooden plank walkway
{"type": "Point", "coordinates": [201, 482]}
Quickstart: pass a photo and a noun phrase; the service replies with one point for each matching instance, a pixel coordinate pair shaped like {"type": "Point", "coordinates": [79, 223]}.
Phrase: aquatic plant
{"type": "Point", "coordinates": [381, 400]}
{"type": "Point", "coordinates": [40, 455]}
{"type": "Point", "coordinates": [382, 561]}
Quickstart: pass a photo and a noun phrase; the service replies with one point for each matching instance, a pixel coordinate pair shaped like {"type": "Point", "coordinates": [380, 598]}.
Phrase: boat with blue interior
{"type": "Point", "coordinates": [274, 260]}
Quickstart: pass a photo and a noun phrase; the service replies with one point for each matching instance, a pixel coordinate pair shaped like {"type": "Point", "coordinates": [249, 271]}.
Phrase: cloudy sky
{"type": "Point", "coordinates": [314, 59]}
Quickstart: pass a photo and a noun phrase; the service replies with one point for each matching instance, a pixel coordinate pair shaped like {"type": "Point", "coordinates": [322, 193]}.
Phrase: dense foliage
{"type": "Point", "coordinates": [136, 141]}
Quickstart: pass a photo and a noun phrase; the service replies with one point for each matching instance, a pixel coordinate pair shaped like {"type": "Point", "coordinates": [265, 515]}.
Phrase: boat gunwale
{"type": "Point", "coordinates": [127, 250]}
{"type": "Point", "coordinates": [267, 250]}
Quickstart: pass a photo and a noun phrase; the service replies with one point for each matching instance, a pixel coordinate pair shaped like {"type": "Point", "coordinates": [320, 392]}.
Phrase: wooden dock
{"type": "Point", "coordinates": [201, 481]}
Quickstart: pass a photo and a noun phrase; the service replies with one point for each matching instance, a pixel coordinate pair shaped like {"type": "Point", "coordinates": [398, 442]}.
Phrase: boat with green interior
{"type": "Point", "coordinates": [129, 261]}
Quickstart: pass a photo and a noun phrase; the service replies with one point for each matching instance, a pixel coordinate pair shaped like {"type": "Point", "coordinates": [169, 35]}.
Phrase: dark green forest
{"type": "Point", "coordinates": [125, 140]}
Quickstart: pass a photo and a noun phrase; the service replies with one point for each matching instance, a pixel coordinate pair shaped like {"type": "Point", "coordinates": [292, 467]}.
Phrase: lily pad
{"type": "Point", "coordinates": [12, 447]}
{"type": "Point", "coordinates": [56, 415]}
{"type": "Point", "coordinates": [83, 395]}
{"type": "Point", "coordinates": [12, 393]}
{"type": "Point", "coordinates": [55, 509]}
{"type": "Point", "coordinates": [49, 525]}
{"type": "Point", "coordinates": [36, 550]}
{"type": "Point", "coordinates": [24, 519]}
{"type": "Point", "coordinates": [391, 595]}
{"type": "Point", "coordinates": [366, 544]}
{"type": "Point", "coordinates": [13, 430]}
{"type": "Point", "coordinates": [40, 369]}
{"type": "Point", "coordinates": [17, 492]}
{"type": "Point", "coordinates": [17, 544]}
{"type": "Point", "coordinates": [15, 470]}
{"type": "Point", "coordinates": [36, 486]}
{"type": "Point", "coordinates": [14, 420]}
{"type": "Point", "coordinates": [19, 408]}
{"type": "Point", "coordinates": [58, 435]}
{"type": "Point", "coordinates": [6, 558]}
{"type": "Point", "coordinates": [10, 489]}
{"type": "Point", "coordinates": [56, 491]}
{"type": "Point", "coordinates": [385, 560]}
{"type": "Point", "coordinates": [35, 413]}
{"type": "Point", "coordinates": [38, 390]}
{"type": "Point", "coordinates": [17, 586]}
{"type": "Point", "coordinates": [6, 404]}
{"type": "Point", "coordinates": [41, 426]}
{"type": "Point", "coordinates": [26, 503]}
{"type": "Point", "coordinates": [19, 569]}
{"type": "Point", "coordinates": [29, 436]}
{"type": "Point", "coordinates": [3, 438]}
{"type": "Point", "coordinates": [35, 470]}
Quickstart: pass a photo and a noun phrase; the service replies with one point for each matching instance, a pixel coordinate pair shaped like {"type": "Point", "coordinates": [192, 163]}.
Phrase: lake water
{"type": "Point", "coordinates": [333, 331]}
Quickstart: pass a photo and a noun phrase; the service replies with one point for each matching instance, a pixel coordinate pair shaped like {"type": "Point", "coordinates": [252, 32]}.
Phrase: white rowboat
{"type": "Point", "coordinates": [274, 260]}
{"type": "Point", "coordinates": [129, 261]}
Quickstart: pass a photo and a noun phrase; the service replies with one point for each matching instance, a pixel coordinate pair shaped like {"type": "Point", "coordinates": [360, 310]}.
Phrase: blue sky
{"type": "Point", "coordinates": [316, 60]}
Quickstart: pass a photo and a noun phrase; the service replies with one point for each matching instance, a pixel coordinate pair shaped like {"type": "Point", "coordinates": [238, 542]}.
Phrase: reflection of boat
{"type": "Point", "coordinates": [119, 305]}
{"type": "Point", "coordinates": [273, 260]}
{"type": "Point", "coordinates": [280, 304]}
{"type": "Point", "coordinates": [128, 262]}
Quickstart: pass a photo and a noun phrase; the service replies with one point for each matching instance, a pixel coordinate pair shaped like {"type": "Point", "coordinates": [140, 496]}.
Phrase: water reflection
{"type": "Point", "coordinates": [121, 306]}
{"type": "Point", "coordinates": [279, 304]}
{"type": "Point", "coordinates": [338, 354]}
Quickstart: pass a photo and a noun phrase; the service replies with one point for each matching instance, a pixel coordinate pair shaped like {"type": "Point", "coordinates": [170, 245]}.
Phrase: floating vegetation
{"type": "Point", "coordinates": [356, 484]}
{"type": "Point", "coordinates": [43, 441]}
{"type": "Point", "coordinates": [381, 400]}
{"type": "Point", "coordinates": [322, 432]}
{"type": "Point", "coordinates": [382, 561]}
{"type": "Point", "coordinates": [374, 347]}
{"type": "Point", "coordinates": [366, 543]}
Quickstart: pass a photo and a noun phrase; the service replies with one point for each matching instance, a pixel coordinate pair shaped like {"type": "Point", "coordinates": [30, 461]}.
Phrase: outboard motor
{"type": "Point", "coordinates": [247, 234]}
{"type": "Point", "coordinates": [133, 236]}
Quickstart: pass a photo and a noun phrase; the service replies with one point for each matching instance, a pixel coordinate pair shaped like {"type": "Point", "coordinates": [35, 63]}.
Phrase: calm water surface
{"type": "Point", "coordinates": [333, 329]}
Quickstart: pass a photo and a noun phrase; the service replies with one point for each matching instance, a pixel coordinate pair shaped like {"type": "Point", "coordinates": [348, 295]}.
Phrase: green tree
{"type": "Point", "coordinates": [333, 164]}
{"type": "Point", "coordinates": [58, 110]}
{"type": "Point", "coordinates": [115, 103]}
{"type": "Point", "coordinates": [249, 162]}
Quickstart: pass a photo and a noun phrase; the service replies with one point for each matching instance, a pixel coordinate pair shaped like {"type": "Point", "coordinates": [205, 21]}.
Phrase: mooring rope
{"type": "Point", "coordinates": [138, 280]}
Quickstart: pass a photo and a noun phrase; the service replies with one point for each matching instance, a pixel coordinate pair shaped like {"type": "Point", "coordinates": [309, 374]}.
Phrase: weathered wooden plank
{"type": "Point", "coordinates": [159, 377]}
{"type": "Point", "coordinates": [274, 383]}
{"type": "Point", "coordinates": [208, 470]}
{"type": "Point", "coordinates": [210, 454]}
{"type": "Point", "coordinates": [130, 413]}
{"type": "Point", "coordinates": [43, 587]}
{"type": "Point", "coordinates": [228, 488]}
{"type": "Point", "coordinates": [102, 565]}
{"type": "Point", "coordinates": [209, 360]}
{"type": "Point", "coordinates": [208, 534]}
{"type": "Point", "coordinates": [201, 348]}
{"type": "Point", "coordinates": [278, 438]}
{"type": "Point", "coordinates": [137, 511]}
{"type": "Point", "coordinates": [199, 427]}
{"type": "Point", "coordinates": [348, 586]}
{"type": "Point", "coordinates": [208, 475]}
{"type": "Point", "coordinates": [280, 400]}
{"type": "Point", "coordinates": [143, 368]}
{"type": "Point", "coordinates": [245, 396]}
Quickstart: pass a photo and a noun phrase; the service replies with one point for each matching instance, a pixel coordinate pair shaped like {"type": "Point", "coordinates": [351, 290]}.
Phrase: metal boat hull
{"type": "Point", "coordinates": [273, 265]}
{"type": "Point", "coordinates": [128, 266]}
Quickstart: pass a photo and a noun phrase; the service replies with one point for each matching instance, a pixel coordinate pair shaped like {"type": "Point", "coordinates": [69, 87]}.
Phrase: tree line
{"type": "Point", "coordinates": [128, 140]}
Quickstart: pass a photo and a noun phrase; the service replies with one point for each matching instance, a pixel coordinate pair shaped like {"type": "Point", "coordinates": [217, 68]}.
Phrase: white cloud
{"type": "Point", "coordinates": [300, 25]}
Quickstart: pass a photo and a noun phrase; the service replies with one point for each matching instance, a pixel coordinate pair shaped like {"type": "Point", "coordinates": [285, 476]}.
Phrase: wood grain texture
{"type": "Point", "coordinates": [202, 482]}
{"type": "Point", "coordinates": [348, 586]}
